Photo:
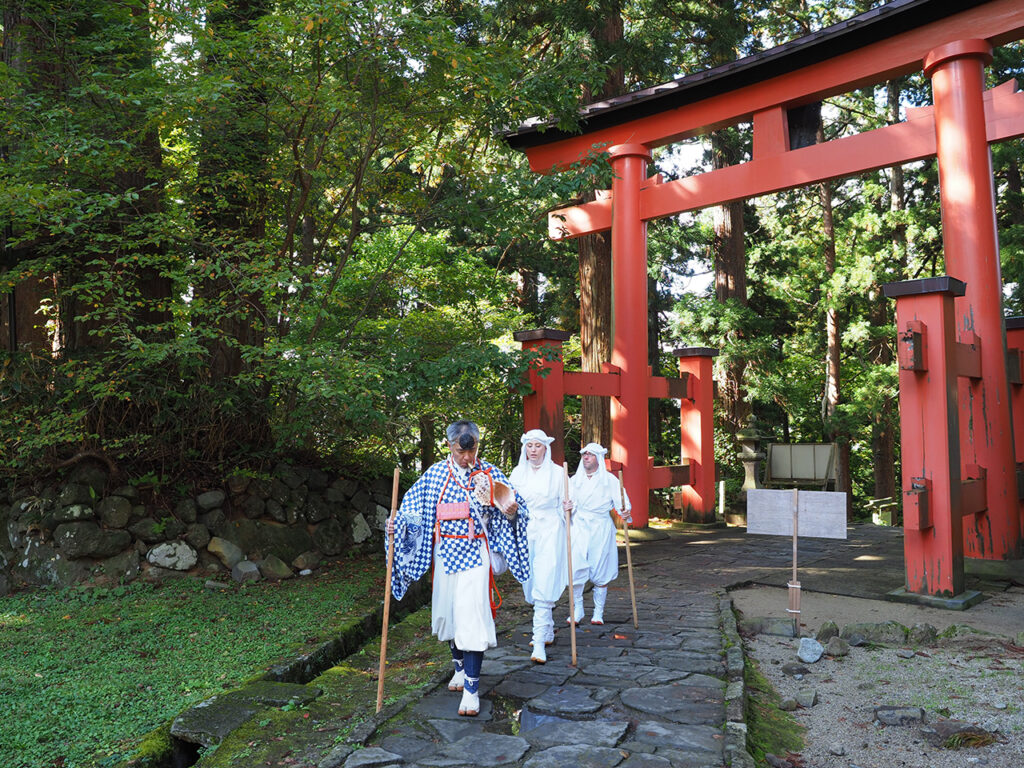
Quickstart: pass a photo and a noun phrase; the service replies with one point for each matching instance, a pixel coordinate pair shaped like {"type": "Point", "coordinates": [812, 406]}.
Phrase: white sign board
{"type": "Point", "coordinates": [822, 514]}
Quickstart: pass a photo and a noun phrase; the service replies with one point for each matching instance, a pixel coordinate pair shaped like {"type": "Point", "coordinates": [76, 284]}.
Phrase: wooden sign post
{"type": "Point", "coordinates": [794, 584]}
{"type": "Point", "coordinates": [820, 514]}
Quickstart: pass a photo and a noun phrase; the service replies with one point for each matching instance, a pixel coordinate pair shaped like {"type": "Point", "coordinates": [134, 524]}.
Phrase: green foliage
{"type": "Point", "coordinates": [262, 228]}
{"type": "Point", "coordinates": [288, 239]}
{"type": "Point", "coordinates": [85, 673]}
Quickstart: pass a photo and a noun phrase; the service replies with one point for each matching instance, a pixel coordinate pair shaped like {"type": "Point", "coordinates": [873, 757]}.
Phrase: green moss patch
{"type": "Point", "coordinates": [769, 729]}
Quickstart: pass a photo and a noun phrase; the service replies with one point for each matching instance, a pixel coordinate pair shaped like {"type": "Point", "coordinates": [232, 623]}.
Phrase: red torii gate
{"type": "Point", "coordinates": [952, 46]}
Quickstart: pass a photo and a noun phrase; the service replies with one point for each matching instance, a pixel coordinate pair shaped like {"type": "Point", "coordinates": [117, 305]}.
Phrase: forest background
{"type": "Point", "coordinates": [238, 230]}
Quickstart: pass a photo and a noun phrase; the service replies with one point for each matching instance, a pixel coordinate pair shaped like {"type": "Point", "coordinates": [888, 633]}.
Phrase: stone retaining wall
{"type": "Point", "coordinates": [87, 528]}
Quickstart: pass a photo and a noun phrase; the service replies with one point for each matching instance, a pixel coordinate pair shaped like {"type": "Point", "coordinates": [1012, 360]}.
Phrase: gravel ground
{"type": "Point", "coordinates": [977, 681]}
{"type": "Point", "coordinates": [971, 677]}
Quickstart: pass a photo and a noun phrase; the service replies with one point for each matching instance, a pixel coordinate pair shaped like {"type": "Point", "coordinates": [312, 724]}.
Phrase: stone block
{"type": "Point", "coordinates": [238, 484]}
{"type": "Point", "coordinates": [115, 511]}
{"type": "Point", "coordinates": [307, 560]}
{"type": "Point", "coordinates": [288, 475]}
{"type": "Point", "coordinates": [76, 493]}
{"type": "Point", "coordinates": [129, 492]}
{"type": "Point", "coordinates": [197, 535]}
{"type": "Point", "coordinates": [173, 555]}
{"type": "Point", "coordinates": [210, 500]}
{"type": "Point", "coordinates": [273, 568]}
{"type": "Point", "coordinates": [360, 529]}
{"type": "Point", "coordinates": [78, 540]}
{"type": "Point", "coordinates": [253, 506]}
{"type": "Point", "coordinates": [187, 511]}
{"type": "Point", "coordinates": [894, 715]}
{"type": "Point", "coordinates": [73, 513]}
{"type": "Point", "coordinates": [882, 633]}
{"type": "Point", "coordinates": [226, 551]}
{"type": "Point", "coordinates": [148, 530]}
{"type": "Point", "coordinates": [245, 571]}
{"type": "Point", "coordinates": [329, 537]}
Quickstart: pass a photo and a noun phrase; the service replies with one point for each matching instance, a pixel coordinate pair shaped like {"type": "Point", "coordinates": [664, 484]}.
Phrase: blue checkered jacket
{"type": "Point", "coordinates": [417, 516]}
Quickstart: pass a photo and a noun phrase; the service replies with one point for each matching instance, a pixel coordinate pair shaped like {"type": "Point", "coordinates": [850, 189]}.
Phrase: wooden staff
{"type": "Point", "coordinates": [387, 594]}
{"type": "Point", "coordinates": [629, 555]}
{"type": "Point", "coordinates": [568, 553]}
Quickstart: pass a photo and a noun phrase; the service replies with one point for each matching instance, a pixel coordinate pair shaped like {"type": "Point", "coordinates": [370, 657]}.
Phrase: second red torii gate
{"type": "Point", "coordinates": [693, 388]}
{"type": "Point", "coordinates": [952, 46]}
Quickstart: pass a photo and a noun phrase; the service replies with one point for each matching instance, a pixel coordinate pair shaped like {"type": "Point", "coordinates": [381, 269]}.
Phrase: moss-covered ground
{"type": "Point", "coordinates": [769, 729]}
{"type": "Point", "coordinates": [87, 673]}
{"type": "Point", "coordinates": [300, 736]}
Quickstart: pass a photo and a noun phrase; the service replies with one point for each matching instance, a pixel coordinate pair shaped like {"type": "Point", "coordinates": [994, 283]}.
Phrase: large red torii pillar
{"type": "Point", "coordinates": [630, 427]}
{"type": "Point", "coordinates": [970, 243]}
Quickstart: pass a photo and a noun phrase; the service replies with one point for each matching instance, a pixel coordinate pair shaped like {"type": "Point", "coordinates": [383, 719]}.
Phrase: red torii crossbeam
{"type": "Point", "coordinates": [952, 44]}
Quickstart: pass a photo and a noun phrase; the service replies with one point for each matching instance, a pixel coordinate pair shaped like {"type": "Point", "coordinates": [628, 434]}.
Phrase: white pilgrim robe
{"type": "Point", "coordinates": [595, 556]}
{"type": "Point", "coordinates": [544, 490]}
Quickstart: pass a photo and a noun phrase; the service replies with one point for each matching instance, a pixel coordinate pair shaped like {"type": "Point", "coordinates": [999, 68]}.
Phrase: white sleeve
{"type": "Point", "coordinates": [619, 495]}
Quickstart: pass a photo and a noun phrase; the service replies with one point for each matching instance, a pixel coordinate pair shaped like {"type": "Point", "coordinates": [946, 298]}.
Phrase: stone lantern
{"type": "Point", "coordinates": [750, 438]}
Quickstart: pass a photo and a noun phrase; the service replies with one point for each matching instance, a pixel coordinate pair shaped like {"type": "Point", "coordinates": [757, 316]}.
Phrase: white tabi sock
{"type": "Point", "coordinates": [470, 704]}
{"type": "Point", "coordinates": [600, 595]}
{"type": "Point", "coordinates": [577, 596]}
{"type": "Point", "coordinates": [538, 654]}
{"type": "Point", "coordinates": [548, 628]}
{"type": "Point", "coordinates": [541, 615]}
{"type": "Point", "coordinates": [459, 678]}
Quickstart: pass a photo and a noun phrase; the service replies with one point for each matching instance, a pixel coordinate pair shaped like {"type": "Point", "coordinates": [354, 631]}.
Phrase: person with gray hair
{"type": "Point", "coordinates": [462, 517]}
{"type": "Point", "coordinates": [465, 433]}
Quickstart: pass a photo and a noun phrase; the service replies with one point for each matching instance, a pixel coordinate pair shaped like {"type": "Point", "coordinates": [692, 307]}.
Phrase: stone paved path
{"type": "Point", "coordinates": [667, 694]}
{"type": "Point", "coordinates": [653, 697]}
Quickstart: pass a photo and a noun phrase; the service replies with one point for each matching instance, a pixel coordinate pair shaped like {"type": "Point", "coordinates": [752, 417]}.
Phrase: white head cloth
{"type": "Point", "coordinates": [600, 452]}
{"type": "Point", "coordinates": [539, 436]}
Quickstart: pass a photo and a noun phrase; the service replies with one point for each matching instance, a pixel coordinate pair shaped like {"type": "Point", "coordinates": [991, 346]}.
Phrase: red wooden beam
{"type": "Point", "coordinates": [771, 132]}
{"type": "Point", "coordinates": [660, 386]}
{"type": "Point", "coordinates": [582, 383]}
{"type": "Point", "coordinates": [668, 476]}
{"type": "Point", "coordinates": [776, 171]}
{"type": "Point", "coordinates": [999, 22]}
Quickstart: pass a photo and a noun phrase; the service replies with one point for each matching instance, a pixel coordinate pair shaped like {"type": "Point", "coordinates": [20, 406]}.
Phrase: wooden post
{"type": "Point", "coordinates": [387, 594]}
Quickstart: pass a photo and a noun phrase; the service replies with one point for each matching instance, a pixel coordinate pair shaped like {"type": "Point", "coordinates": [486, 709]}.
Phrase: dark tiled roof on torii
{"type": "Point", "coordinates": [880, 23]}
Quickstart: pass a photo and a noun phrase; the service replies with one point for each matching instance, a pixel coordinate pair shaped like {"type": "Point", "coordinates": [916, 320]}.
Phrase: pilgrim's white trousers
{"type": "Point", "coordinates": [460, 608]}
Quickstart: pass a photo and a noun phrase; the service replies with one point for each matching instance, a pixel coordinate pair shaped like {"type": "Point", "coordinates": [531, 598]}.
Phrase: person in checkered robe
{"type": "Point", "coordinates": [464, 551]}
